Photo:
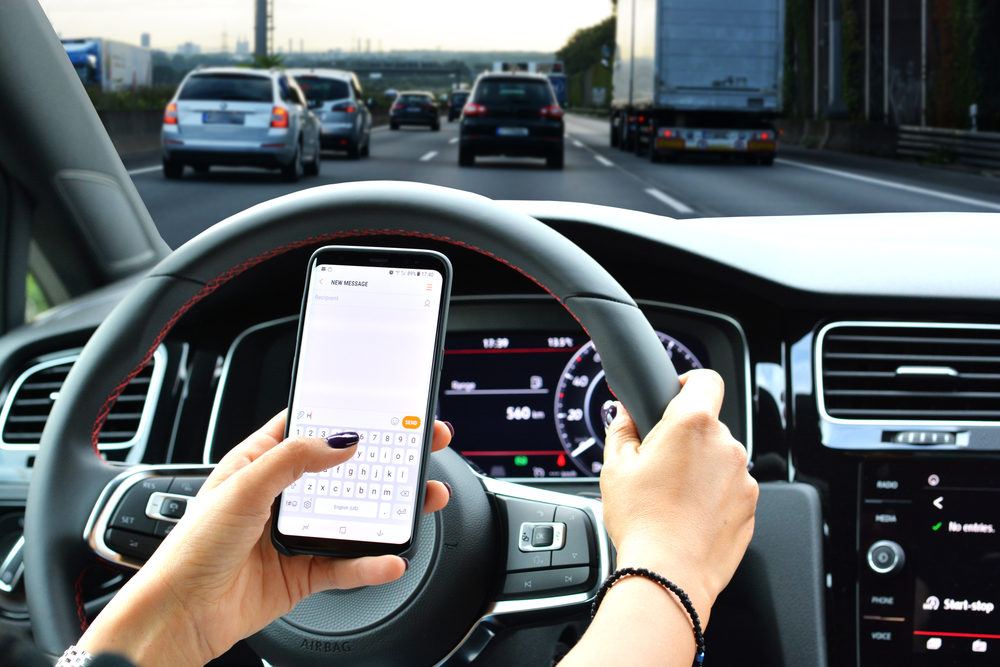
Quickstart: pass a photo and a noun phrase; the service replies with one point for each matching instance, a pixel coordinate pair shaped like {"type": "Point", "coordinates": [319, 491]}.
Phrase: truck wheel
{"type": "Point", "coordinates": [172, 169]}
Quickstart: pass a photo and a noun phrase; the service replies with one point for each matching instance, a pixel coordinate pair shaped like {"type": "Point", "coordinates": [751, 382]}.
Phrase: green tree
{"type": "Point", "coordinates": [584, 48]}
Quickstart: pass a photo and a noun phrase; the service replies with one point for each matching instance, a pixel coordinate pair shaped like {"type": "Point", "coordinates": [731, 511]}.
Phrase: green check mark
{"type": "Point", "coordinates": [936, 526]}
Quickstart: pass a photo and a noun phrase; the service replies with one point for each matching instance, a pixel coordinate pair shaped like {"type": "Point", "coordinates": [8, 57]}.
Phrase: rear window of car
{"type": "Point", "coordinates": [321, 89]}
{"type": "Point", "coordinates": [229, 87]}
{"type": "Point", "coordinates": [415, 99]}
{"type": "Point", "coordinates": [514, 92]}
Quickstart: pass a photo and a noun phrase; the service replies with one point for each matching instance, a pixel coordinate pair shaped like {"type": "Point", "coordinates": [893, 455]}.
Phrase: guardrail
{"type": "Point", "coordinates": [979, 149]}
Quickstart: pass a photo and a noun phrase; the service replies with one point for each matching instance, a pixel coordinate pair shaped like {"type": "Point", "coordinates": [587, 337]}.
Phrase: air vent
{"type": "Point", "coordinates": [910, 372]}
{"type": "Point", "coordinates": [33, 393]}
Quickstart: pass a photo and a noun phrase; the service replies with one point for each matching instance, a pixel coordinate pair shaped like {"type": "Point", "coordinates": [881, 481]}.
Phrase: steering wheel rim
{"type": "Point", "coordinates": [69, 474]}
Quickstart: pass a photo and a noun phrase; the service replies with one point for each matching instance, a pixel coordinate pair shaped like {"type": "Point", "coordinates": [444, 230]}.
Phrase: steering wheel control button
{"type": "Point", "coordinates": [886, 557]}
{"type": "Point", "coordinates": [131, 544]}
{"type": "Point", "coordinates": [187, 486]}
{"type": "Point", "coordinates": [166, 506]}
{"type": "Point", "coordinates": [131, 512]}
{"type": "Point", "coordinates": [163, 528]}
{"type": "Point", "coordinates": [522, 517]}
{"type": "Point", "coordinates": [547, 536]}
{"type": "Point", "coordinates": [543, 583]}
{"type": "Point", "coordinates": [541, 537]}
{"type": "Point", "coordinates": [576, 550]}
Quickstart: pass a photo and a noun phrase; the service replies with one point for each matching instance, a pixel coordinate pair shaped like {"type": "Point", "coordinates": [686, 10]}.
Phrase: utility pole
{"type": "Point", "coordinates": [263, 27]}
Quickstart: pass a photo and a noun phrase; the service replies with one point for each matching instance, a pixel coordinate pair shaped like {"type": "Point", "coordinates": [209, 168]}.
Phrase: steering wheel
{"type": "Point", "coordinates": [468, 574]}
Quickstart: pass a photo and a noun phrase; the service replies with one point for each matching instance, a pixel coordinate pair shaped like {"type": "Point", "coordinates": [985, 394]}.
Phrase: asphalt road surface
{"type": "Point", "coordinates": [800, 182]}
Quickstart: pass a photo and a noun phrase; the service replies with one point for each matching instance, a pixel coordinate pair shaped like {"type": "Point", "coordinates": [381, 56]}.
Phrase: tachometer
{"type": "Point", "coordinates": [581, 393]}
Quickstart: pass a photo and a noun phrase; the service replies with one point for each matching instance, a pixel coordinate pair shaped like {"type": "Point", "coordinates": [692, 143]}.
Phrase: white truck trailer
{"type": "Point", "coordinates": [698, 76]}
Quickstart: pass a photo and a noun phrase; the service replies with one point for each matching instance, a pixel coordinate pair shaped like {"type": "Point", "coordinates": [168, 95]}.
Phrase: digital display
{"type": "Point", "coordinates": [365, 363]}
{"type": "Point", "coordinates": [941, 606]}
{"type": "Point", "coordinates": [528, 404]}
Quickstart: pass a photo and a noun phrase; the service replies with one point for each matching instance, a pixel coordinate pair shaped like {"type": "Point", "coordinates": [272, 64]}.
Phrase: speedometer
{"type": "Point", "coordinates": [581, 393]}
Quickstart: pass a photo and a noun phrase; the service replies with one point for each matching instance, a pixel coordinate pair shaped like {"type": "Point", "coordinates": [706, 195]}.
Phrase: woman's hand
{"type": "Point", "coordinates": [217, 578]}
{"type": "Point", "coordinates": [681, 502]}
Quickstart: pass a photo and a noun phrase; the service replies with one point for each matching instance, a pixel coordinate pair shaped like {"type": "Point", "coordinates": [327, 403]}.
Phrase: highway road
{"type": "Point", "coordinates": [800, 182]}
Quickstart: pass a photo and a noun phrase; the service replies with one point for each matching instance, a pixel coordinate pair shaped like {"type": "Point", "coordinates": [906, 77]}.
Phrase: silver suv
{"type": "Point", "coordinates": [240, 117]}
{"type": "Point", "coordinates": [335, 97]}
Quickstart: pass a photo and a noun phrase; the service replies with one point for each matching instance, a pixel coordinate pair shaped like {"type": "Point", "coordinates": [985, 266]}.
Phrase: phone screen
{"type": "Point", "coordinates": [365, 363]}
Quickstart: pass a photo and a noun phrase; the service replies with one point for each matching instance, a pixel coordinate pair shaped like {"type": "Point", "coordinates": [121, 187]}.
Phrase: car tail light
{"type": "Point", "coordinates": [642, 119]}
{"type": "Point", "coordinates": [346, 107]}
{"type": "Point", "coordinates": [397, 107]}
{"type": "Point", "coordinates": [473, 109]}
{"type": "Point", "coordinates": [170, 115]}
{"type": "Point", "coordinates": [551, 111]}
{"type": "Point", "coordinates": [430, 107]}
{"type": "Point", "coordinates": [279, 117]}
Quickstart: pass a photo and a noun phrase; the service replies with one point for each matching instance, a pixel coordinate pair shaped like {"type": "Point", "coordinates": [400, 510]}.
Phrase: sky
{"type": "Point", "coordinates": [319, 25]}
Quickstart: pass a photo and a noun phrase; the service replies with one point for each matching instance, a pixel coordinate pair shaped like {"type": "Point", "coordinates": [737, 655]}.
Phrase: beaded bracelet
{"type": "Point", "coordinates": [620, 574]}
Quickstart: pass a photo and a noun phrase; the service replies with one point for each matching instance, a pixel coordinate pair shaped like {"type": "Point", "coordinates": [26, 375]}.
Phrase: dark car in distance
{"type": "Point", "coordinates": [513, 115]}
{"type": "Point", "coordinates": [414, 107]}
{"type": "Point", "coordinates": [456, 101]}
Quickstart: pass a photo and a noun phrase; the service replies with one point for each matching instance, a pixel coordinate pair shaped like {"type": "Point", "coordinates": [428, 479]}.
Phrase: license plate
{"type": "Point", "coordinates": [413, 109]}
{"type": "Point", "coordinates": [222, 118]}
{"type": "Point", "coordinates": [512, 131]}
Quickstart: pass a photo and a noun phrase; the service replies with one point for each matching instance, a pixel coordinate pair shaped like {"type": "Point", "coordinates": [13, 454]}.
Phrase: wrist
{"type": "Point", "coordinates": [682, 569]}
{"type": "Point", "coordinates": [148, 625]}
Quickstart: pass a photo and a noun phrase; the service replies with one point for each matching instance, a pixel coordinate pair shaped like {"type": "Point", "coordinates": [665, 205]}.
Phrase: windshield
{"type": "Point", "coordinates": [718, 108]}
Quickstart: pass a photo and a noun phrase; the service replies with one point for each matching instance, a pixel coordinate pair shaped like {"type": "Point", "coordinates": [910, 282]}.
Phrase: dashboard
{"type": "Point", "coordinates": [882, 407]}
{"type": "Point", "coordinates": [521, 382]}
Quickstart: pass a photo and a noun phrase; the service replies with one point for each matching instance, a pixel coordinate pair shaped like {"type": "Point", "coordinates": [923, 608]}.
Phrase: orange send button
{"type": "Point", "coordinates": [411, 422]}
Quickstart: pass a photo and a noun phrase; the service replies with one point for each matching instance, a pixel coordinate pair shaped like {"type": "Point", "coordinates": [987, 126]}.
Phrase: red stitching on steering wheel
{"type": "Point", "coordinates": [234, 271]}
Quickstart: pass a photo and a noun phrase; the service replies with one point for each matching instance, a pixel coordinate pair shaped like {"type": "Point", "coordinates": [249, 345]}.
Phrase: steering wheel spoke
{"type": "Point", "coordinates": [138, 508]}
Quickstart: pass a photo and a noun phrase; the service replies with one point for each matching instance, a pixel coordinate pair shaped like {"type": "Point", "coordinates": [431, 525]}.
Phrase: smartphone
{"type": "Point", "coordinates": [367, 359]}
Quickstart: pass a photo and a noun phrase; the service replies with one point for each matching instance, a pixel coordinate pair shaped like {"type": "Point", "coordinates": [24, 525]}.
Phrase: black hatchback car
{"type": "Point", "coordinates": [512, 114]}
{"type": "Point", "coordinates": [414, 108]}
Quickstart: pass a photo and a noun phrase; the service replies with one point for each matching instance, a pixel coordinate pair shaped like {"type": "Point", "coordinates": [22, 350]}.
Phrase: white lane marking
{"type": "Point", "coordinates": [893, 184]}
{"type": "Point", "coordinates": [678, 206]}
{"type": "Point", "coordinates": [603, 160]}
{"type": "Point", "coordinates": [143, 170]}
{"type": "Point", "coordinates": [453, 140]}
{"type": "Point", "coordinates": [428, 156]}
{"type": "Point", "coordinates": [578, 144]}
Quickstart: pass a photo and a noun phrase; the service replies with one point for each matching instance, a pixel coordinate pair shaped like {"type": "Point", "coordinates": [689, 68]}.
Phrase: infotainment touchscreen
{"type": "Point", "coordinates": [929, 582]}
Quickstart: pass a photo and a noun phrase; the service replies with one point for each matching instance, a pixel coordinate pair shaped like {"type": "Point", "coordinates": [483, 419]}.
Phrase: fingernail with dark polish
{"type": "Point", "coordinates": [343, 440]}
{"type": "Point", "coordinates": [448, 486]}
{"type": "Point", "coordinates": [608, 413]}
{"type": "Point", "coordinates": [406, 563]}
{"type": "Point", "coordinates": [451, 428]}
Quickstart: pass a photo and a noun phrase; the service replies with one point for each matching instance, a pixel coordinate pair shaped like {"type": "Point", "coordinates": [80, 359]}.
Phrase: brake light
{"type": "Point", "coordinates": [551, 111]}
{"type": "Point", "coordinates": [279, 117]}
{"type": "Point", "coordinates": [642, 119]}
{"type": "Point", "coordinates": [397, 106]}
{"type": "Point", "coordinates": [170, 115]}
{"type": "Point", "coordinates": [473, 109]}
{"type": "Point", "coordinates": [430, 107]}
{"type": "Point", "coordinates": [345, 107]}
